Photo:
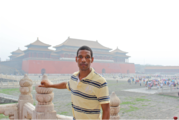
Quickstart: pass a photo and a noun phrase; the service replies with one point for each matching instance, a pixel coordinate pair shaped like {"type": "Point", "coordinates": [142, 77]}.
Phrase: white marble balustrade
{"type": "Point", "coordinates": [25, 109]}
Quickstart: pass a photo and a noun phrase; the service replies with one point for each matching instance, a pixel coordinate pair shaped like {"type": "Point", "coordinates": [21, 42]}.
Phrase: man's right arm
{"type": "Point", "coordinates": [59, 86]}
{"type": "Point", "coordinates": [46, 84]}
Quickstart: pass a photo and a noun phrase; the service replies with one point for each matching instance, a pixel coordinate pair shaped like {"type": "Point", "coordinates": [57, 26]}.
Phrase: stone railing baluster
{"type": "Point", "coordinates": [45, 108]}
{"type": "Point", "coordinates": [25, 96]}
{"type": "Point", "coordinates": [114, 106]}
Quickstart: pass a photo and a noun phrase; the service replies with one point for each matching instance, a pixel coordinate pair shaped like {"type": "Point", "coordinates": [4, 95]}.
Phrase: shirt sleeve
{"type": "Point", "coordinates": [102, 93]}
{"type": "Point", "coordinates": [68, 86]}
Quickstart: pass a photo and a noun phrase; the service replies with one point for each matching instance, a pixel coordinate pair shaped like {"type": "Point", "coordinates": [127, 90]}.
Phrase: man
{"type": "Point", "coordinates": [89, 91]}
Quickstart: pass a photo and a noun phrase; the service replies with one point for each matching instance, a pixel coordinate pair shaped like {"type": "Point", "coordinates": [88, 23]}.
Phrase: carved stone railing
{"type": "Point", "coordinates": [17, 78]}
{"type": "Point", "coordinates": [10, 77]}
{"type": "Point", "coordinates": [15, 82]}
{"type": "Point", "coordinates": [10, 110]}
{"type": "Point", "coordinates": [25, 109]}
{"type": "Point", "coordinates": [29, 109]}
{"type": "Point", "coordinates": [15, 111]}
{"type": "Point", "coordinates": [9, 84]}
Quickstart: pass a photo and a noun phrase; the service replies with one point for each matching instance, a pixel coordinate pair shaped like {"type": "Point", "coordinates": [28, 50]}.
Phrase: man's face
{"type": "Point", "coordinates": [84, 60]}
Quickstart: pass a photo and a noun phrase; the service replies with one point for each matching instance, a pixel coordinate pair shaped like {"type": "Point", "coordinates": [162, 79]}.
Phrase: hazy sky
{"type": "Point", "coordinates": [147, 29]}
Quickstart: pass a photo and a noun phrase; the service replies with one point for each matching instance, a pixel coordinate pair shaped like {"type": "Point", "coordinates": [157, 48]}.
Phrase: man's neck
{"type": "Point", "coordinates": [83, 74]}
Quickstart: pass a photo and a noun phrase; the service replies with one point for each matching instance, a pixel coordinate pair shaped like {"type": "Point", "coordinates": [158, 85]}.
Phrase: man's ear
{"type": "Point", "coordinates": [92, 59]}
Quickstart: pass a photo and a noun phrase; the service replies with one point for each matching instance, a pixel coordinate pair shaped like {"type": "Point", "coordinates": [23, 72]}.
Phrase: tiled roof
{"type": "Point", "coordinates": [38, 43]}
{"type": "Point", "coordinates": [38, 49]}
{"type": "Point", "coordinates": [13, 55]}
{"type": "Point", "coordinates": [117, 51]}
{"type": "Point", "coordinates": [79, 43]}
{"type": "Point", "coordinates": [20, 55]}
{"type": "Point", "coordinates": [17, 55]}
{"type": "Point", "coordinates": [94, 52]}
{"type": "Point", "coordinates": [17, 51]}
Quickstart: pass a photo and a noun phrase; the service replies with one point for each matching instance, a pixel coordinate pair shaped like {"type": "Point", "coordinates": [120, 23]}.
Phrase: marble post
{"type": "Point", "coordinates": [25, 96]}
{"type": "Point", "coordinates": [114, 107]}
{"type": "Point", "coordinates": [45, 108]}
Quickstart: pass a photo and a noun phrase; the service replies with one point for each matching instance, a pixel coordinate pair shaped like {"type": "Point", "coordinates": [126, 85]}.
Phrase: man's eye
{"type": "Point", "coordinates": [87, 57]}
{"type": "Point", "coordinates": [80, 57]}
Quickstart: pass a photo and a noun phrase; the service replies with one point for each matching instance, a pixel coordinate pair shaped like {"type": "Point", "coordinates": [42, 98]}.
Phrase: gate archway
{"type": "Point", "coordinates": [43, 71]}
{"type": "Point", "coordinates": [103, 70]}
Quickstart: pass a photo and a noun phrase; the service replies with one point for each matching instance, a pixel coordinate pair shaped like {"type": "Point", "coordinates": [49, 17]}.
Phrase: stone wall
{"type": "Point", "coordinates": [69, 67]}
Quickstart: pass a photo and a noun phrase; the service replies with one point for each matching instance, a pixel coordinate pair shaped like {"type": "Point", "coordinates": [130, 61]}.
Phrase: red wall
{"type": "Point", "coordinates": [69, 67]}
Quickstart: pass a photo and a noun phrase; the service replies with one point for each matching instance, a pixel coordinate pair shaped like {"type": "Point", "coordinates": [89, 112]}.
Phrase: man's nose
{"type": "Point", "coordinates": [83, 59]}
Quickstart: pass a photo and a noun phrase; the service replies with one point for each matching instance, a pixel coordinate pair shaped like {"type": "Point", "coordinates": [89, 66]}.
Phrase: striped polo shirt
{"type": "Point", "coordinates": [88, 95]}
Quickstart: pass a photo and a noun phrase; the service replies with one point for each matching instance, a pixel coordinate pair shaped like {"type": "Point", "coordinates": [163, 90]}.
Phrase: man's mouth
{"type": "Point", "coordinates": [83, 64]}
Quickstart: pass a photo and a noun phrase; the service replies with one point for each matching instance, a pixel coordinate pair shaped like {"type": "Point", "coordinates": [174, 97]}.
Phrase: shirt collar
{"type": "Point", "coordinates": [89, 76]}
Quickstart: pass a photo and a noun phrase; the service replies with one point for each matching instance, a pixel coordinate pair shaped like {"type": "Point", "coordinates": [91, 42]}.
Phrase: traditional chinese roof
{"type": "Point", "coordinates": [117, 51]}
{"type": "Point", "coordinates": [94, 52]}
{"type": "Point", "coordinates": [78, 43]}
{"type": "Point", "coordinates": [20, 55]}
{"type": "Point", "coordinates": [38, 43]}
{"type": "Point", "coordinates": [18, 51]}
{"type": "Point", "coordinates": [38, 49]}
{"type": "Point", "coordinates": [13, 55]}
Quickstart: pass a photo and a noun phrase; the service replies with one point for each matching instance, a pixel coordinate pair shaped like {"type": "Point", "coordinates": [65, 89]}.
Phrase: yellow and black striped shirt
{"type": "Point", "coordinates": [88, 95]}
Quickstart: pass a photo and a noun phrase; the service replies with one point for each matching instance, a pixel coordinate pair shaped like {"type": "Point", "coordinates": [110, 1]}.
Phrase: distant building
{"type": "Point", "coordinates": [16, 54]}
{"type": "Point", "coordinates": [162, 69]}
{"type": "Point", "coordinates": [39, 59]}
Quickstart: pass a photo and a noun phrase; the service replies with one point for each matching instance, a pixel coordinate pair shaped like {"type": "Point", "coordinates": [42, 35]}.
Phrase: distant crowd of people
{"type": "Point", "coordinates": [159, 83]}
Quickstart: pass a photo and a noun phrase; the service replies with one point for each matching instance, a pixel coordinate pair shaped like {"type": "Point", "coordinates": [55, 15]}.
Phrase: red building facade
{"type": "Point", "coordinates": [38, 58]}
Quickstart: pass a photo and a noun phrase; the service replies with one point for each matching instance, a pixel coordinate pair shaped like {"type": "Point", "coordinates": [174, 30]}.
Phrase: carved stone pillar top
{"type": "Point", "coordinates": [25, 81]}
{"type": "Point", "coordinates": [114, 100]}
{"type": "Point", "coordinates": [43, 90]}
{"type": "Point", "coordinates": [26, 86]}
{"type": "Point", "coordinates": [44, 97]}
{"type": "Point", "coordinates": [115, 108]}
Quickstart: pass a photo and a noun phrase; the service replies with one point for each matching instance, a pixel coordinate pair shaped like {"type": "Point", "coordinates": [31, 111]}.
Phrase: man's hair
{"type": "Point", "coordinates": [85, 48]}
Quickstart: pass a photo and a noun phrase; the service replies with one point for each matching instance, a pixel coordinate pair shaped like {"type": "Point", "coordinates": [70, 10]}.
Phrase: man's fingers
{"type": "Point", "coordinates": [41, 85]}
{"type": "Point", "coordinates": [42, 82]}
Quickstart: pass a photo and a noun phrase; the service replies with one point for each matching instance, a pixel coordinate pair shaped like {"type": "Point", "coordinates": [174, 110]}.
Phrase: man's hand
{"type": "Point", "coordinates": [45, 83]}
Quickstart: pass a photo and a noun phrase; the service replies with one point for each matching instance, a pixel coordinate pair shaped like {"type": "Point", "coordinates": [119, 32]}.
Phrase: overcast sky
{"type": "Point", "coordinates": [147, 29]}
